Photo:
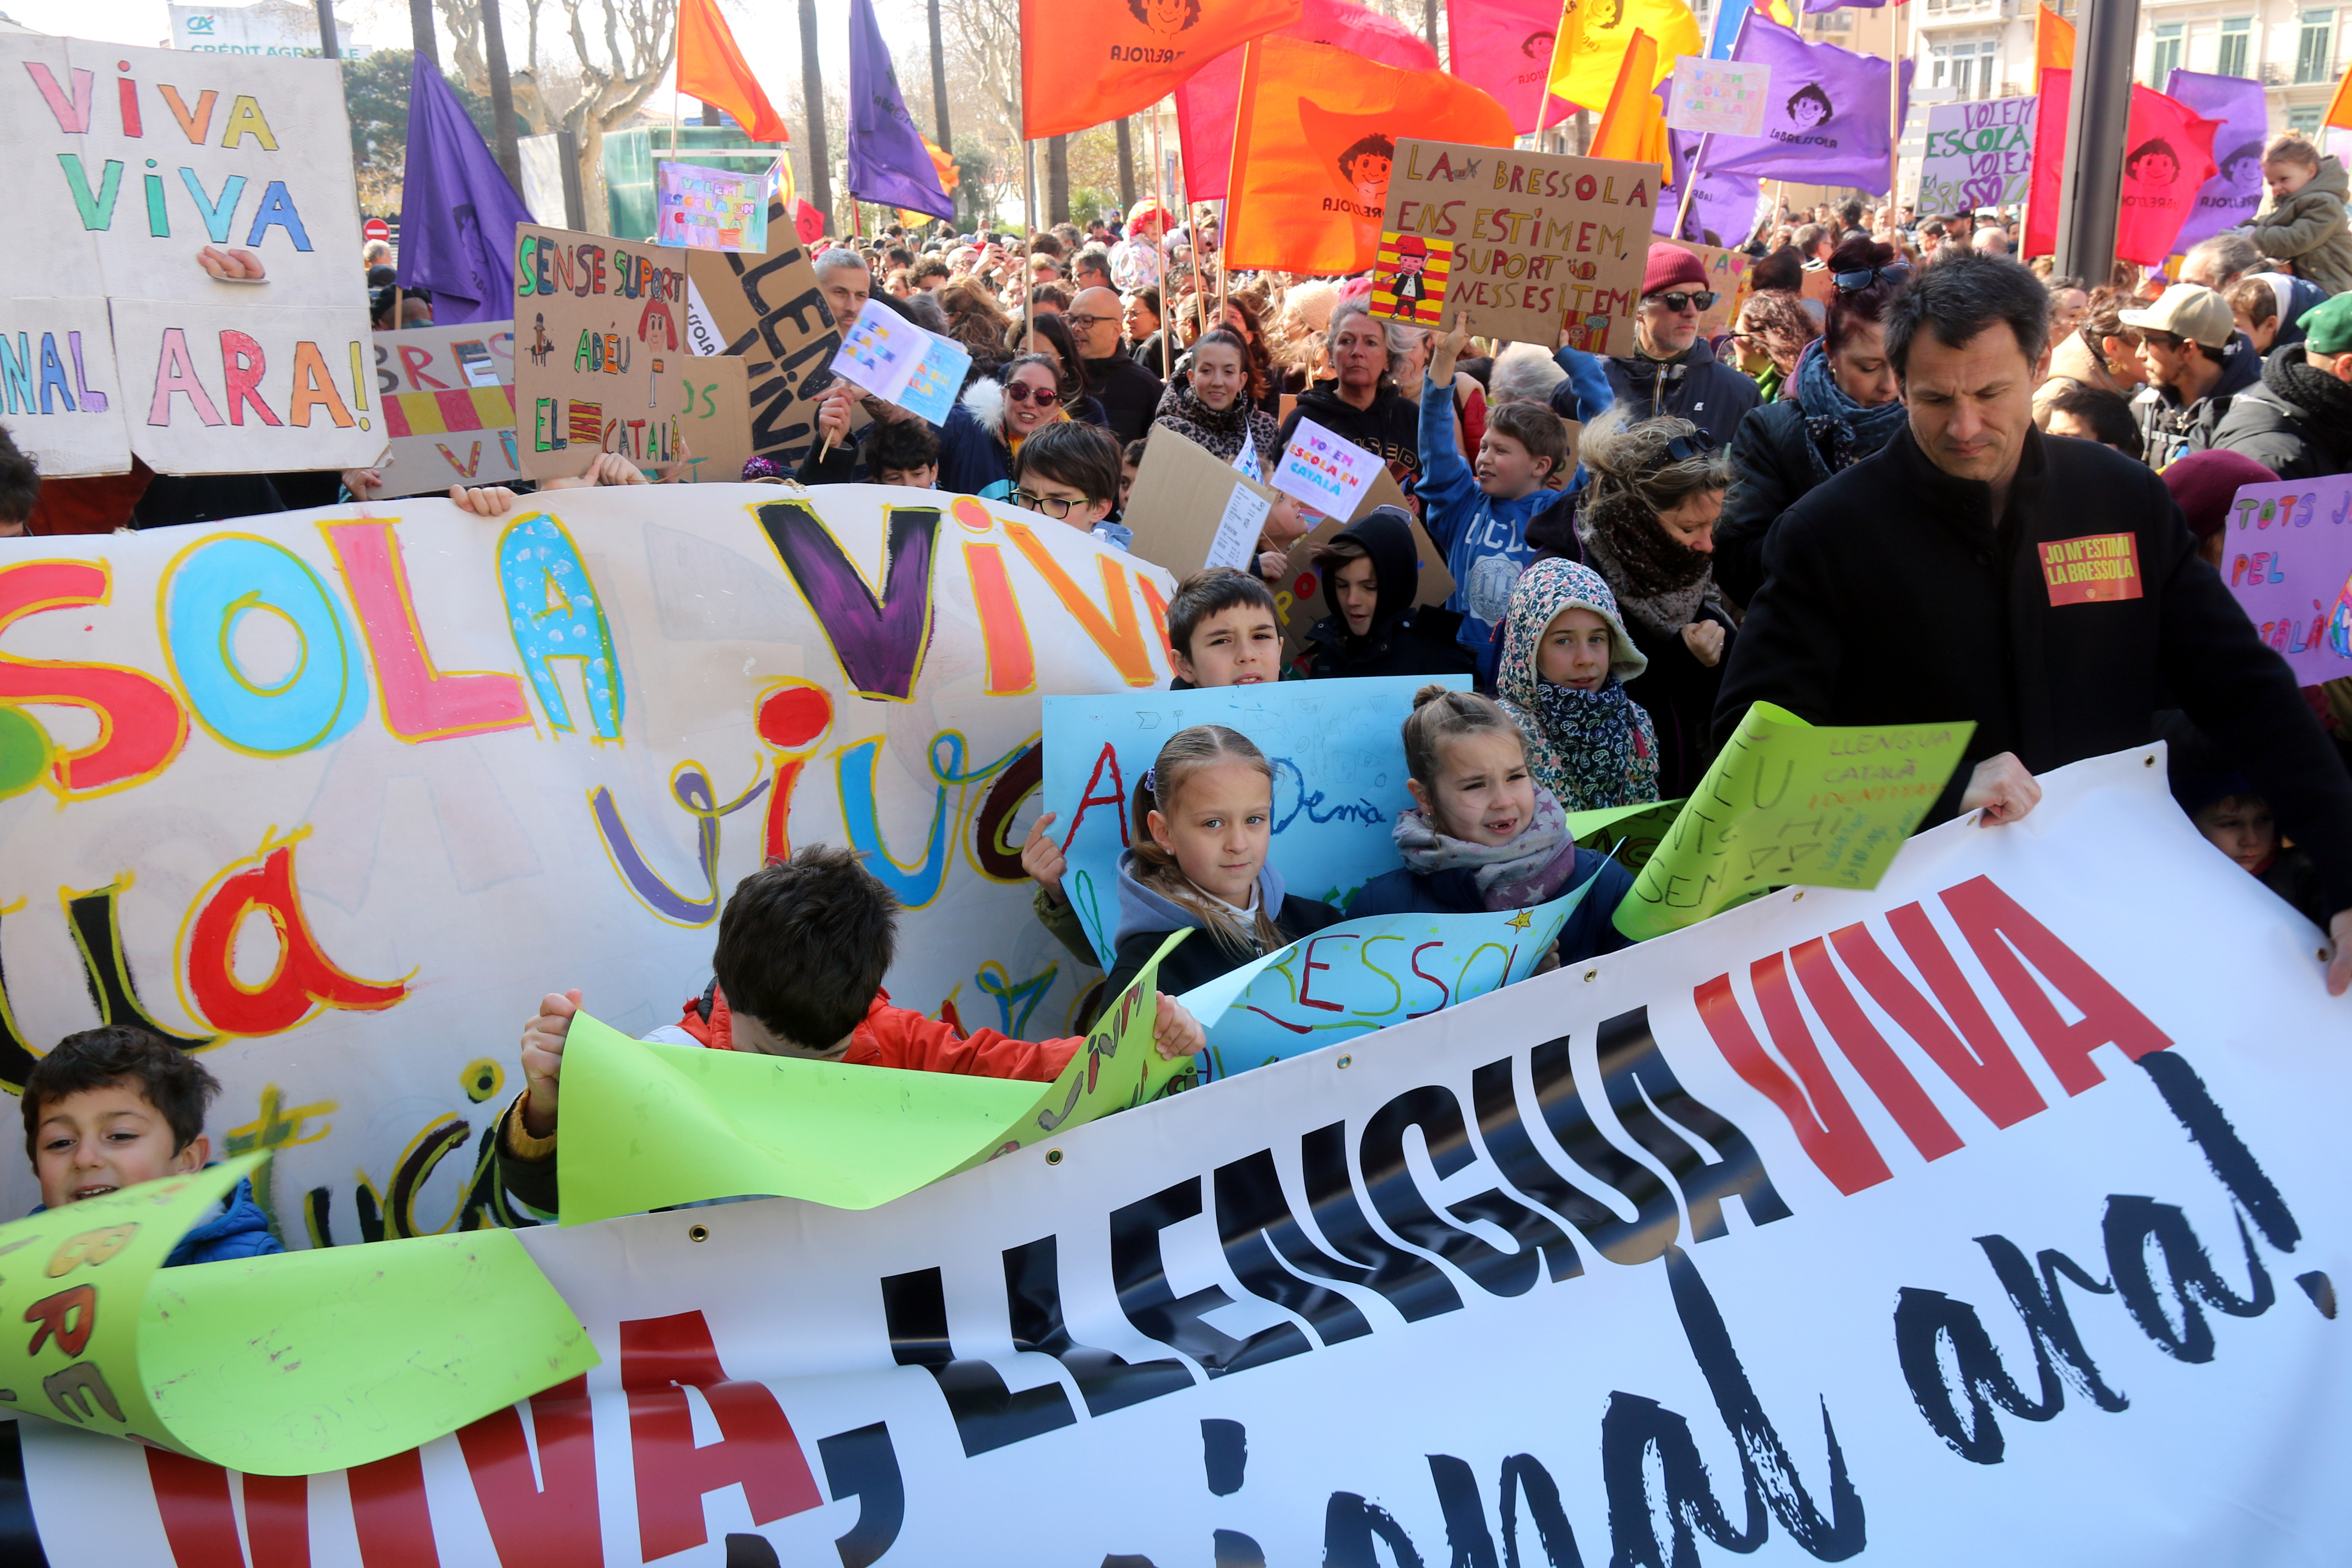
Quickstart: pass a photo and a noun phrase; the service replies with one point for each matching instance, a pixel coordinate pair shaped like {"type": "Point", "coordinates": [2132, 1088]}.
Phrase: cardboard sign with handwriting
{"type": "Point", "coordinates": [448, 406]}
{"type": "Point", "coordinates": [717, 425]}
{"type": "Point", "coordinates": [766, 310]}
{"type": "Point", "coordinates": [1181, 492]}
{"type": "Point", "coordinates": [1531, 245]}
{"type": "Point", "coordinates": [600, 351]}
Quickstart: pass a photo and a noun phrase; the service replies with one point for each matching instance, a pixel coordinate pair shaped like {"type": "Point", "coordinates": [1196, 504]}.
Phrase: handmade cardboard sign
{"type": "Point", "coordinates": [599, 356]}
{"type": "Point", "coordinates": [1324, 471]}
{"type": "Point", "coordinates": [1338, 779]}
{"type": "Point", "coordinates": [710, 209]}
{"type": "Point", "coordinates": [898, 361]}
{"type": "Point", "coordinates": [59, 400]}
{"type": "Point", "coordinates": [1532, 245]}
{"type": "Point", "coordinates": [1722, 97]}
{"type": "Point", "coordinates": [1727, 279]}
{"type": "Point", "coordinates": [1788, 802]}
{"type": "Point", "coordinates": [129, 165]}
{"type": "Point", "coordinates": [716, 428]}
{"type": "Point", "coordinates": [2289, 563]}
{"type": "Point", "coordinates": [1351, 978]}
{"type": "Point", "coordinates": [766, 308]}
{"type": "Point", "coordinates": [1977, 155]}
{"type": "Point", "coordinates": [448, 406]}
{"type": "Point", "coordinates": [1183, 493]}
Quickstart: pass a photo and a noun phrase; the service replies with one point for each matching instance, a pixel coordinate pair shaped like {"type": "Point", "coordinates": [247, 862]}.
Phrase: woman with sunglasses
{"type": "Point", "coordinates": [987, 427]}
{"type": "Point", "coordinates": [1673, 371]}
{"type": "Point", "coordinates": [1050, 335]}
{"type": "Point", "coordinates": [1844, 406]}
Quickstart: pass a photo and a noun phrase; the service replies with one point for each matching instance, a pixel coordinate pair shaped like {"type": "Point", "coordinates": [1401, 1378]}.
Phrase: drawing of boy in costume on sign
{"type": "Point", "coordinates": [1406, 279]}
{"type": "Point", "coordinates": [1365, 165]}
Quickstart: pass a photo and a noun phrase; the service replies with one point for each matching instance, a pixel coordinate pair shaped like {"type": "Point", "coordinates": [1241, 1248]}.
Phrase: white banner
{"type": "Point", "coordinates": [1993, 1215]}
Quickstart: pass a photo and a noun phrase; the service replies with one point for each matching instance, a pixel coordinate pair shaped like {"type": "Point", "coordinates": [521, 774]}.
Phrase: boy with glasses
{"type": "Point", "coordinates": [1069, 472]}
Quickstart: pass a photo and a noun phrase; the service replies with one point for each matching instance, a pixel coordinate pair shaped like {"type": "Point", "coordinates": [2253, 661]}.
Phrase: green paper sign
{"type": "Point", "coordinates": [1628, 835]}
{"type": "Point", "coordinates": [648, 1126]}
{"type": "Point", "coordinates": [284, 1365]}
{"type": "Point", "coordinates": [1789, 802]}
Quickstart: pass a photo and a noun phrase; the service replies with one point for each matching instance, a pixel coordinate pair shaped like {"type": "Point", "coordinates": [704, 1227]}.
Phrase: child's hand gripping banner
{"type": "Point", "coordinates": [1350, 979]}
{"type": "Point", "coordinates": [646, 1125]}
{"type": "Point", "coordinates": [1788, 802]}
{"type": "Point", "coordinates": [277, 1365]}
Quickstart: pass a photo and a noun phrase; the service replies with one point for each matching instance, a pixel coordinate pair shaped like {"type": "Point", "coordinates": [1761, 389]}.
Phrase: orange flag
{"type": "Point", "coordinates": [710, 68]}
{"type": "Point", "coordinates": [1314, 136]}
{"type": "Point", "coordinates": [1085, 62]}
{"type": "Point", "coordinates": [949, 178]}
{"type": "Point", "coordinates": [2339, 108]}
{"type": "Point", "coordinates": [1633, 126]}
{"type": "Point", "coordinates": [2054, 43]}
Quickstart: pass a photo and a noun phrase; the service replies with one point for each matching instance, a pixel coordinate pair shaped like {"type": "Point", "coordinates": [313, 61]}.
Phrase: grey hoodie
{"type": "Point", "coordinates": [1141, 909]}
{"type": "Point", "coordinates": [2309, 228]}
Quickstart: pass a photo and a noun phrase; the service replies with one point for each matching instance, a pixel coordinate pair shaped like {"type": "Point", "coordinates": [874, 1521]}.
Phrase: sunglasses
{"type": "Point", "coordinates": [1855, 282]}
{"type": "Point", "coordinates": [1681, 301]}
{"type": "Point", "coordinates": [1022, 392]}
{"type": "Point", "coordinates": [1050, 506]}
{"type": "Point", "coordinates": [1683, 448]}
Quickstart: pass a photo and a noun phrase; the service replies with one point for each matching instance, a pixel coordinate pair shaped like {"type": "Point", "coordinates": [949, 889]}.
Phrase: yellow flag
{"type": "Point", "coordinates": [1595, 34]}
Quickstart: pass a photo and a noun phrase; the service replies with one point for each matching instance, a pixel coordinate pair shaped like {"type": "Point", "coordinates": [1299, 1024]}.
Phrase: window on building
{"type": "Point", "coordinates": [2237, 39]}
{"type": "Point", "coordinates": [2304, 121]}
{"type": "Point", "coordinates": [2314, 50]}
{"type": "Point", "coordinates": [2164, 54]}
{"type": "Point", "coordinates": [1966, 67]}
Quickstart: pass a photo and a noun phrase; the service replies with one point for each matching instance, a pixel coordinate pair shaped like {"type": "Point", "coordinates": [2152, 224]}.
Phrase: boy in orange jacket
{"type": "Point", "coordinates": [802, 947]}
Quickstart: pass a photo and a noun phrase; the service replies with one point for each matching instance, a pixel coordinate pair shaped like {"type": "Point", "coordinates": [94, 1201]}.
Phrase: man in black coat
{"type": "Point", "coordinates": [1917, 587]}
{"type": "Point", "coordinates": [2297, 422]}
{"type": "Point", "coordinates": [1673, 370]}
{"type": "Point", "coordinates": [1129, 393]}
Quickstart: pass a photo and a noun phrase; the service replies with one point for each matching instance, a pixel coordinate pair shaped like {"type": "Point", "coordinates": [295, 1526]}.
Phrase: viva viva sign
{"type": "Point", "coordinates": [1978, 155]}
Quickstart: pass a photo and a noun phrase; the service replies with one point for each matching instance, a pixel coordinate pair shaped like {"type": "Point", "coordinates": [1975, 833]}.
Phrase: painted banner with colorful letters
{"type": "Point", "coordinates": [2034, 1188]}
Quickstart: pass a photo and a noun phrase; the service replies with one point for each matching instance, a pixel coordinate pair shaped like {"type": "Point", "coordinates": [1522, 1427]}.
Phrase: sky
{"type": "Point", "coordinates": [768, 33]}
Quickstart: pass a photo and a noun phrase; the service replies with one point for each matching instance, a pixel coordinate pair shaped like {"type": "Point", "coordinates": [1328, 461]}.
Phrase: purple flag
{"type": "Point", "coordinates": [887, 160]}
{"type": "Point", "coordinates": [1813, 5]}
{"type": "Point", "coordinates": [1827, 123]}
{"type": "Point", "coordinates": [457, 213]}
{"type": "Point", "coordinates": [2231, 196]}
{"type": "Point", "coordinates": [1723, 207]}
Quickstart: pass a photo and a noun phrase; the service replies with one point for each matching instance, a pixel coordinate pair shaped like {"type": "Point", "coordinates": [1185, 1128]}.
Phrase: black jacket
{"type": "Point", "coordinates": [1770, 469]}
{"type": "Point", "coordinates": [1391, 426]}
{"type": "Point", "coordinates": [2295, 438]}
{"type": "Point", "coordinates": [2170, 429]}
{"type": "Point", "coordinates": [1200, 958]}
{"type": "Point", "coordinates": [1404, 640]}
{"type": "Point", "coordinates": [1892, 597]}
{"type": "Point", "coordinates": [1129, 396]}
{"type": "Point", "coordinates": [1698, 387]}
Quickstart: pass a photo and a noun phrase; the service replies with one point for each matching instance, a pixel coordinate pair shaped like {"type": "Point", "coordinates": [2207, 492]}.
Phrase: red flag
{"type": "Point", "coordinates": [1504, 47]}
{"type": "Point", "coordinates": [2168, 155]}
{"type": "Point", "coordinates": [710, 68]}
{"type": "Point", "coordinates": [1086, 62]}
{"type": "Point", "coordinates": [2048, 188]}
{"type": "Point", "coordinates": [1204, 105]}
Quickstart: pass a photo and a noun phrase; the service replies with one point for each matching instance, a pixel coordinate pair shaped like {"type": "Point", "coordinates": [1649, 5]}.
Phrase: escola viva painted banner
{"type": "Point", "coordinates": [1894, 1225]}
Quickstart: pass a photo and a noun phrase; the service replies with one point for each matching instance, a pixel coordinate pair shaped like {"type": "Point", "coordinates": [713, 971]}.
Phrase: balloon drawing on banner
{"type": "Point", "coordinates": [448, 406]}
{"type": "Point", "coordinates": [1978, 155]}
{"type": "Point", "coordinates": [1338, 780]}
{"type": "Point", "coordinates": [1901, 1227]}
{"type": "Point", "coordinates": [419, 768]}
{"type": "Point", "coordinates": [157, 181]}
{"type": "Point", "coordinates": [2288, 560]}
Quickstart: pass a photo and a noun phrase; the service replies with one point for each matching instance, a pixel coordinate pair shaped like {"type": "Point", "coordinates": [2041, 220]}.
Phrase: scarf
{"type": "Point", "coordinates": [1658, 580]}
{"type": "Point", "coordinates": [1518, 875]}
{"type": "Point", "coordinates": [1181, 410]}
{"type": "Point", "coordinates": [1595, 748]}
{"type": "Point", "coordinates": [1840, 432]}
{"type": "Point", "coordinates": [2327, 400]}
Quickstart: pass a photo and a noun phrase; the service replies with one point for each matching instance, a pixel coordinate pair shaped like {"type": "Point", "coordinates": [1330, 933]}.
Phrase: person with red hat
{"type": "Point", "coordinates": [1406, 280]}
{"type": "Point", "coordinates": [1672, 371]}
{"type": "Point", "coordinates": [1135, 262]}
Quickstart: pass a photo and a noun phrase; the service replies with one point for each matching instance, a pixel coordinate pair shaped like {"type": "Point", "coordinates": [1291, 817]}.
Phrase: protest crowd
{"type": "Point", "coordinates": [1831, 458]}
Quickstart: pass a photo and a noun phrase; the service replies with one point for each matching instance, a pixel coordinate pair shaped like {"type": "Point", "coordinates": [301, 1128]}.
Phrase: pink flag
{"type": "Point", "coordinates": [2048, 188]}
{"type": "Point", "coordinates": [1505, 47]}
{"type": "Point", "coordinates": [1206, 101]}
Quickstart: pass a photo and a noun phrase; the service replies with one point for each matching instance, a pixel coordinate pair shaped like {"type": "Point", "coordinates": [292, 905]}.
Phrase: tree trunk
{"type": "Point", "coordinates": [1126, 169]}
{"type": "Point", "coordinates": [420, 28]}
{"type": "Point", "coordinates": [820, 159]}
{"type": "Point", "coordinates": [503, 118]}
{"type": "Point", "coordinates": [1057, 181]}
{"type": "Point", "coordinates": [1429, 22]}
{"type": "Point", "coordinates": [939, 83]}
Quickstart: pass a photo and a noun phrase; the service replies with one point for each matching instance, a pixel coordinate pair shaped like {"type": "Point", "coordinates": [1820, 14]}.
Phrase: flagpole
{"type": "Point", "coordinates": [1551, 74]}
{"type": "Point", "coordinates": [1893, 121]}
{"type": "Point", "coordinates": [1159, 195]}
{"type": "Point", "coordinates": [1690, 179]}
{"type": "Point", "coordinates": [1029, 226]}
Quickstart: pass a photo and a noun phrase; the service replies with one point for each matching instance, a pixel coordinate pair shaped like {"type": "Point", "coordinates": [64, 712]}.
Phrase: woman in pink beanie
{"type": "Point", "coordinates": [2202, 486]}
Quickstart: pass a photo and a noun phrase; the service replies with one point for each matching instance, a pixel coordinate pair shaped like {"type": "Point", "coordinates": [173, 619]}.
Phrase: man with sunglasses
{"type": "Point", "coordinates": [1673, 371]}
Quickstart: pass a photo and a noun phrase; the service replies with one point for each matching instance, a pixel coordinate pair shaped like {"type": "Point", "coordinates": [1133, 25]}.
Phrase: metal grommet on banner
{"type": "Point", "coordinates": [1345, 1061]}
{"type": "Point", "coordinates": [1798, 897]}
{"type": "Point", "coordinates": [2148, 761]}
{"type": "Point", "coordinates": [1590, 975]}
{"type": "Point", "coordinates": [1052, 1156]}
{"type": "Point", "coordinates": [698, 1233]}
